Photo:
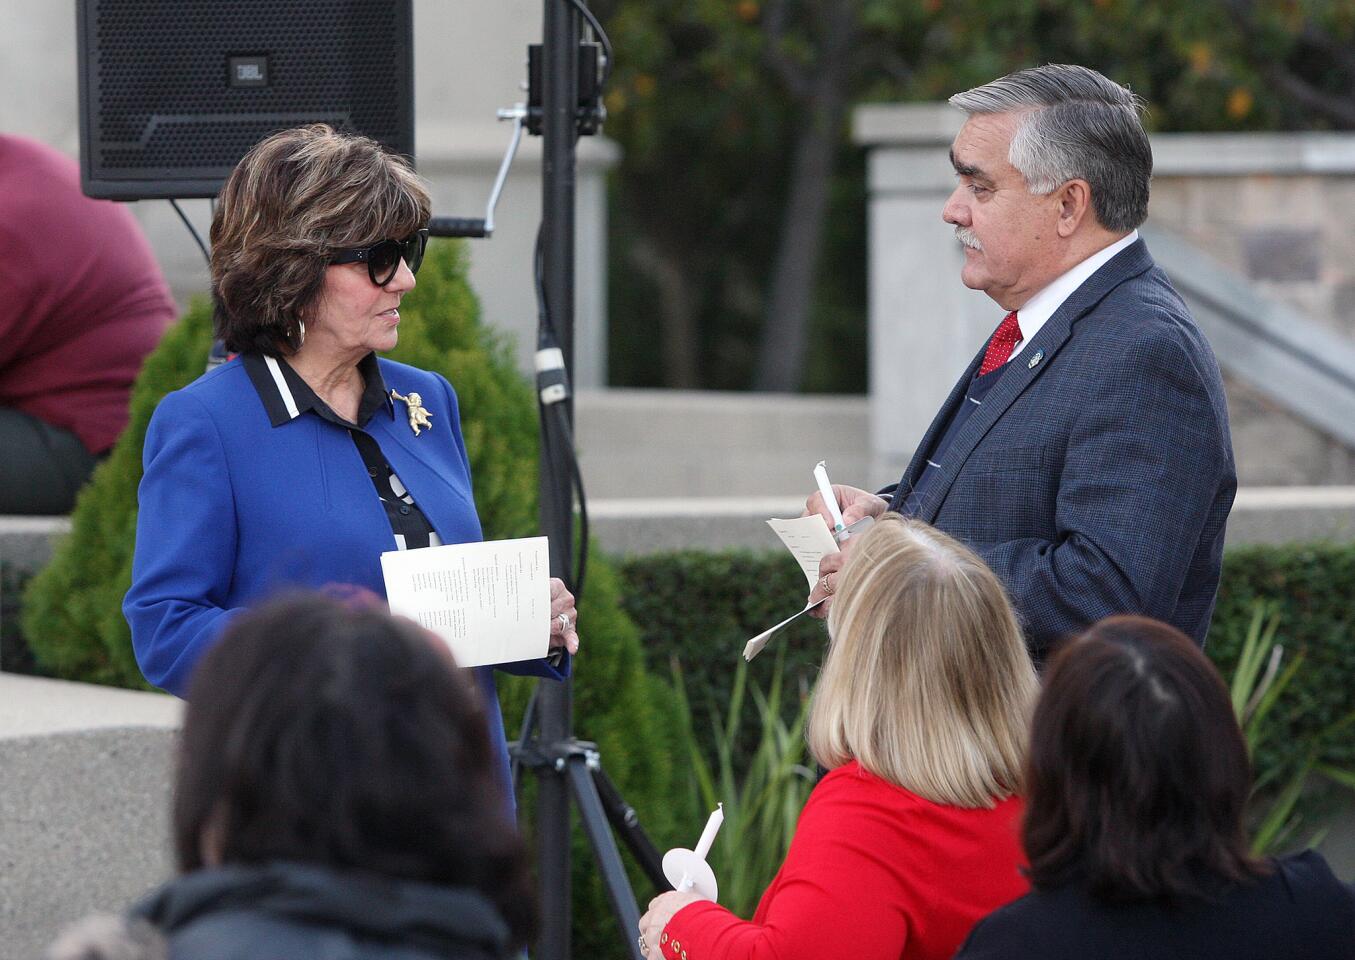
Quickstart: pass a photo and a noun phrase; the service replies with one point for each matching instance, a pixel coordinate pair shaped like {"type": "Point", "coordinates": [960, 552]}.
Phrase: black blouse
{"type": "Point", "coordinates": [1300, 910]}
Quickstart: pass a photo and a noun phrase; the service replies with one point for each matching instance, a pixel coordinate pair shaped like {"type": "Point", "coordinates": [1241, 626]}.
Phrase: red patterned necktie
{"type": "Point", "coordinates": [1000, 347]}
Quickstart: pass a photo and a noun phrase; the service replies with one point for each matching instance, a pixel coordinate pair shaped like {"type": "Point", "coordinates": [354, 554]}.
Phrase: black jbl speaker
{"type": "Point", "coordinates": [174, 92]}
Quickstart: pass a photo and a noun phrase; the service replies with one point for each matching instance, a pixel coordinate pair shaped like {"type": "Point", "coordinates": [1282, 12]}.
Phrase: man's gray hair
{"type": "Point", "coordinates": [1074, 124]}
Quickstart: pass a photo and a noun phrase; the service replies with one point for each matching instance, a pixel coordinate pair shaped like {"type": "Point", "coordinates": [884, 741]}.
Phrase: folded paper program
{"type": "Point", "coordinates": [753, 647]}
{"type": "Point", "coordinates": [809, 540]}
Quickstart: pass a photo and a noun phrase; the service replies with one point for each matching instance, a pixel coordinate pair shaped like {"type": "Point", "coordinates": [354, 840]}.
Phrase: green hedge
{"type": "Point", "coordinates": [72, 617]}
{"type": "Point", "coordinates": [702, 607]}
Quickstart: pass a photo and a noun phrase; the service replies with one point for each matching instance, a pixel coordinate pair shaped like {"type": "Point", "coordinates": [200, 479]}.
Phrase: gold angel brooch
{"type": "Point", "coordinates": [419, 418]}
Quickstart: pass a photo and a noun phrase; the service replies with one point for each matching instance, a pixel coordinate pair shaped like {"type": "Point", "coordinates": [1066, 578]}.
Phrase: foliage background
{"type": "Point", "coordinates": [738, 208]}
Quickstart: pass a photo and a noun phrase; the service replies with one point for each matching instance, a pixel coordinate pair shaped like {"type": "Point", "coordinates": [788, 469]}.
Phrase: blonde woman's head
{"type": "Point", "coordinates": [927, 682]}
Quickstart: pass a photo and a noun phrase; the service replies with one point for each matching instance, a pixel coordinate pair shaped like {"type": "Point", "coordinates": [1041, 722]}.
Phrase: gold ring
{"type": "Point", "coordinates": [824, 585]}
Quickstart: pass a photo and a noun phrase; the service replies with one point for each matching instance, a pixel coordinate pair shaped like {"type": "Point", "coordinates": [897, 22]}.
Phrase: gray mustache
{"type": "Point", "coordinates": [967, 238]}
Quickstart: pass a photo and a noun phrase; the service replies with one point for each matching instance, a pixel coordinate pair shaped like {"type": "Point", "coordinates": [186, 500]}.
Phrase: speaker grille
{"type": "Point", "coordinates": [159, 117]}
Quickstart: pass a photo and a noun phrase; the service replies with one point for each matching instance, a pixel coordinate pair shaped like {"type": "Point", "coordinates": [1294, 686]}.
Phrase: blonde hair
{"type": "Point", "coordinates": [927, 682]}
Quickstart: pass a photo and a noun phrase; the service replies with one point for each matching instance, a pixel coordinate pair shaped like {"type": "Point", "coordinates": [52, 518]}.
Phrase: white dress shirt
{"type": "Point", "coordinates": [1041, 307]}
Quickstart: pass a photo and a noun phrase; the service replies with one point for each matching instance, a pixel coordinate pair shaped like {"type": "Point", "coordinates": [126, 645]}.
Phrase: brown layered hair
{"type": "Point", "coordinates": [1138, 776]}
{"type": "Point", "coordinates": [294, 200]}
{"type": "Point", "coordinates": [346, 738]}
{"type": "Point", "coordinates": [927, 682]}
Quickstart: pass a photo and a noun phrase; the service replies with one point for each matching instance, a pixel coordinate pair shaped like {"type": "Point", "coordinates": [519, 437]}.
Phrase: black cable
{"type": "Point", "coordinates": [546, 338]}
{"type": "Point", "coordinates": [193, 230]}
{"type": "Point", "coordinates": [544, 325]}
{"type": "Point", "coordinates": [603, 39]}
{"type": "Point", "coordinates": [576, 490]}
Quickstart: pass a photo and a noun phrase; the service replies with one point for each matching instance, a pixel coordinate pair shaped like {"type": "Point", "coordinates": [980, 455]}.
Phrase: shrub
{"type": "Point", "coordinates": [702, 608]}
{"type": "Point", "coordinates": [72, 610]}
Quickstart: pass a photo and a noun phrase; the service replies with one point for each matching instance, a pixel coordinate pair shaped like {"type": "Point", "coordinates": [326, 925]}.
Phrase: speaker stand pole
{"type": "Point", "coordinates": [569, 769]}
{"type": "Point", "coordinates": [559, 41]}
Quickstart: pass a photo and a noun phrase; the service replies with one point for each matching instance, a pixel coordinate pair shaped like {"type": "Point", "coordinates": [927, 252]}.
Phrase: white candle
{"type": "Point", "coordinates": [712, 828]}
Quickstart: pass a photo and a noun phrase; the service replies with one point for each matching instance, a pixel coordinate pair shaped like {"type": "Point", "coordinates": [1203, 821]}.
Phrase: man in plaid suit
{"type": "Point", "coordinates": [1085, 452]}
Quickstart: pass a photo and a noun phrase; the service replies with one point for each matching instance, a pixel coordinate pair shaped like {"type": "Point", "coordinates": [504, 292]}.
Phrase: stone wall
{"type": "Point", "coordinates": [1275, 209]}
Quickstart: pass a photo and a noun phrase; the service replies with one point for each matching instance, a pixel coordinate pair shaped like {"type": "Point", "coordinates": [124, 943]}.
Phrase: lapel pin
{"type": "Point", "coordinates": [419, 418]}
{"type": "Point", "coordinates": [1034, 362]}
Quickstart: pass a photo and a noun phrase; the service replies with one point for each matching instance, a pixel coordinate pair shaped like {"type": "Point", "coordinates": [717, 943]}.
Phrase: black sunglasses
{"type": "Point", "coordinates": [383, 257]}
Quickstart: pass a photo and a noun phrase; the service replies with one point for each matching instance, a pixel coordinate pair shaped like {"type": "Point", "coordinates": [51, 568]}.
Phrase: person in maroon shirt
{"type": "Point", "coordinates": [82, 301]}
{"type": "Point", "coordinates": [921, 715]}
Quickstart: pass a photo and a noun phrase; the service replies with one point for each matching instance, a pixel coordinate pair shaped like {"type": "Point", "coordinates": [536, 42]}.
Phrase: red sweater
{"type": "Point", "coordinates": [874, 873]}
{"type": "Point", "coordinates": [82, 300]}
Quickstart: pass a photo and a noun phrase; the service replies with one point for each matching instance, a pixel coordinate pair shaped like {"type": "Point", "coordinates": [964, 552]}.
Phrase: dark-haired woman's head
{"type": "Point", "coordinates": [326, 734]}
{"type": "Point", "coordinates": [1138, 776]}
{"type": "Point", "coordinates": [294, 201]}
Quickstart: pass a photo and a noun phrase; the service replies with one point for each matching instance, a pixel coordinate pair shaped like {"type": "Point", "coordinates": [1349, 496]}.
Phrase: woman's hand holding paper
{"type": "Point", "coordinates": [564, 617]}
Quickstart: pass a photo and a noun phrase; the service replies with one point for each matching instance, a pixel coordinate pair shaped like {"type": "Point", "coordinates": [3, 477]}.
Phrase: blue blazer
{"type": "Point", "coordinates": [1097, 476]}
{"type": "Point", "coordinates": [234, 509]}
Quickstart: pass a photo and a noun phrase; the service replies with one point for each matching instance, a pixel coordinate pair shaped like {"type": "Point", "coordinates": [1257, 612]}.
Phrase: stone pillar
{"type": "Point", "coordinates": [925, 325]}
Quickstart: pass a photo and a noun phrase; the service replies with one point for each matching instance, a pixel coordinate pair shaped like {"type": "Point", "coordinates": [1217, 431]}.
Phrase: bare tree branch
{"type": "Point", "coordinates": [1341, 53]}
{"type": "Point", "coordinates": [1340, 110]}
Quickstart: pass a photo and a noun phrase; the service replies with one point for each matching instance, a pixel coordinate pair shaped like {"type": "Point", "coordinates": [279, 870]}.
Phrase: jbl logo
{"type": "Point", "coordinates": [248, 71]}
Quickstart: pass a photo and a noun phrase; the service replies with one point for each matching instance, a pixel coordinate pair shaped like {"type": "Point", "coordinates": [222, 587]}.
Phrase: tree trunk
{"type": "Point", "coordinates": [785, 328]}
{"type": "Point", "coordinates": [675, 314]}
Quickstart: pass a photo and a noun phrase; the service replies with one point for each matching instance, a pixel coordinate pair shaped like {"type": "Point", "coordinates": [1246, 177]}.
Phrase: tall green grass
{"type": "Point", "coordinates": [762, 796]}
{"type": "Point", "coordinates": [1258, 684]}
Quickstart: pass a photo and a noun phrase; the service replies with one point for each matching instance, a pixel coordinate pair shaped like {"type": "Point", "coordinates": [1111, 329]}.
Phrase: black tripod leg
{"type": "Point", "coordinates": [626, 822]}
{"type": "Point", "coordinates": [608, 856]}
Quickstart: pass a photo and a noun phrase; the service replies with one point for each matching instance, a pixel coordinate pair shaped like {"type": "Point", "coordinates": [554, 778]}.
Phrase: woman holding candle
{"type": "Point", "coordinates": [920, 716]}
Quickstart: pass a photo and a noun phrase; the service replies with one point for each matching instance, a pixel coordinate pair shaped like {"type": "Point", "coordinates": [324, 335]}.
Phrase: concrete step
{"type": "Point", "coordinates": [705, 443]}
{"type": "Point", "coordinates": [635, 525]}
{"type": "Point", "coordinates": [84, 803]}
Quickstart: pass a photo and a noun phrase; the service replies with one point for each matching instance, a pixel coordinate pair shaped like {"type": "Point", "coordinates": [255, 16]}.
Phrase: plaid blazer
{"type": "Point", "coordinates": [1097, 476]}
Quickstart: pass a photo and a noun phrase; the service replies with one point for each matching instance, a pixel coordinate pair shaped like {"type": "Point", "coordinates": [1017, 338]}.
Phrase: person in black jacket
{"type": "Point", "coordinates": [335, 797]}
{"type": "Point", "coordinates": [1136, 785]}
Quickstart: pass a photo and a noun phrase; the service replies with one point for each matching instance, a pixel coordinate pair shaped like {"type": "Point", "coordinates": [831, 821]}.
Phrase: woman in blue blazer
{"type": "Point", "coordinates": [299, 462]}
